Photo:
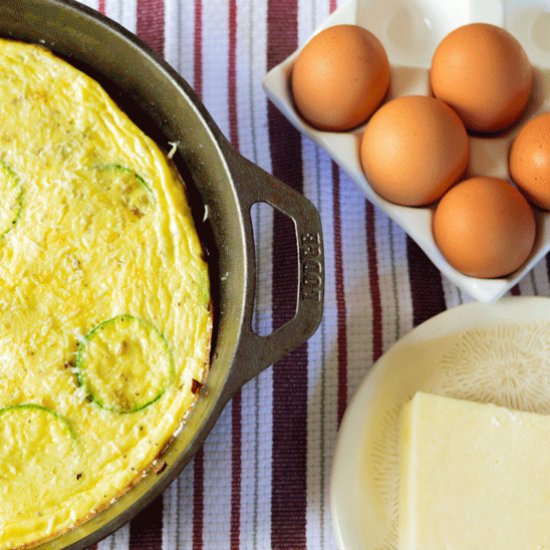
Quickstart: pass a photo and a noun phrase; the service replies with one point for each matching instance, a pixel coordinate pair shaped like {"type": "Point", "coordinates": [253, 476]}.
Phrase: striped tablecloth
{"type": "Point", "coordinates": [262, 479]}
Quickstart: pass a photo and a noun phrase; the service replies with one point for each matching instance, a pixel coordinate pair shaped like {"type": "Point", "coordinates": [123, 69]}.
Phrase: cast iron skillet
{"type": "Point", "coordinates": [164, 105]}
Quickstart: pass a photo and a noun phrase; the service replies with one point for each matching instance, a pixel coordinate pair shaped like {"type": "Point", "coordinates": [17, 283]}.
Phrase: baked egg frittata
{"type": "Point", "coordinates": [105, 312]}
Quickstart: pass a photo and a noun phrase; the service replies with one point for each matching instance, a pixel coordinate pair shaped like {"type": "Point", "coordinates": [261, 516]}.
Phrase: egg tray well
{"type": "Point", "coordinates": [410, 31]}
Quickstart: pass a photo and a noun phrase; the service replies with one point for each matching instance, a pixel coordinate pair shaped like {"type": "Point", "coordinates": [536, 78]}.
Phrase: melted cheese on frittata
{"type": "Point", "coordinates": [105, 315]}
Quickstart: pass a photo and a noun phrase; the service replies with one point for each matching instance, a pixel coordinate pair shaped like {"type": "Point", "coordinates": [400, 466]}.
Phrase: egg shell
{"type": "Point", "coordinates": [340, 78]}
{"type": "Point", "coordinates": [530, 160]}
{"type": "Point", "coordinates": [484, 74]}
{"type": "Point", "coordinates": [484, 227]}
{"type": "Point", "coordinates": [413, 149]}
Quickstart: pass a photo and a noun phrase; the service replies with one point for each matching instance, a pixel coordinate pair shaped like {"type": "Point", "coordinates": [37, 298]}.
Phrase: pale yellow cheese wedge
{"type": "Point", "coordinates": [473, 476]}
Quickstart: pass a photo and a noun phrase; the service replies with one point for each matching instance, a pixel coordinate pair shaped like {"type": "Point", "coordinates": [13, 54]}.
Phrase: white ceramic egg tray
{"type": "Point", "coordinates": [410, 31]}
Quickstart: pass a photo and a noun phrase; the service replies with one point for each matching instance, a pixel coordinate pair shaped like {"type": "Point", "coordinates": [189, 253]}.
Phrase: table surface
{"type": "Point", "coordinates": [262, 479]}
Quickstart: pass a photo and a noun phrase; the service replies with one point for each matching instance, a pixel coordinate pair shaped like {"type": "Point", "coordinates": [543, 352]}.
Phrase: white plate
{"type": "Point", "coordinates": [410, 31]}
{"type": "Point", "coordinates": [492, 353]}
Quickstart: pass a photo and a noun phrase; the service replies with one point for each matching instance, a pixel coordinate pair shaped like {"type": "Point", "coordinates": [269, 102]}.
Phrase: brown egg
{"type": "Point", "coordinates": [484, 227]}
{"type": "Point", "coordinates": [413, 149]}
{"type": "Point", "coordinates": [530, 160]}
{"type": "Point", "coordinates": [483, 73]}
{"type": "Point", "coordinates": [340, 77]}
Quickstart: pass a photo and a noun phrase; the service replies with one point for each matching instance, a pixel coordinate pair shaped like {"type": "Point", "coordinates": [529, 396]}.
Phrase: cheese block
{"type": "Point", "coordinates": [473, 476]}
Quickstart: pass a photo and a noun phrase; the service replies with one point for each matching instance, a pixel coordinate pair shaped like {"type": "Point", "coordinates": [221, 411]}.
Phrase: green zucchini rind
{"type": "Point", "coordinates": [14, 194]}
{"type": "Point", "coordinates": [124, 170]}
{"type": "Point", "coordinates": [38, 445]}
{"type": "Point", "coordinates": [127, 188]}
{"type": "Point", "coordinates": [114, 364]}
{"type": "Point", "coordinates": [34, 407]}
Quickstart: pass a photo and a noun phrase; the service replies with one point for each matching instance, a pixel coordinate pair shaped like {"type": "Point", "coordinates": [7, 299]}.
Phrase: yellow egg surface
{"type": "Point", "coordinates": [105, 311]}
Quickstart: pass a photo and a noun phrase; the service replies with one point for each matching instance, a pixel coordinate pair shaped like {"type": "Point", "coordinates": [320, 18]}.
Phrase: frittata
{"type": "Point", "coordinates": [105, 311]}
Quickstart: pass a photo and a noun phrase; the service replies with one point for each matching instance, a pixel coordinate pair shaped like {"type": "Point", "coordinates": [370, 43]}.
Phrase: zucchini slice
{"type": "Point", "coordinates": [126, 187]}
{"type": "Point", "coordinates": [11, 204]}
{"type": "Point", "coordinates": [36, 444]}
{"type": "Point", "coordinates": [125, 364]}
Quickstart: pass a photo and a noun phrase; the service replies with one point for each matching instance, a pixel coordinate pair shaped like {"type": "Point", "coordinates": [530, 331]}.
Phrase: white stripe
{"type": "Point", "coordinates": [257, 22]}
{"type": "Point", "coordinates": [177, 529]}
{"type": "Point", "coordinates": [215, 48]}
{"type": "Point", "coordinates": [248, 455]}
{"type": "Point", "coordinates": [119, 540]}
{"type": "Point", "coordinates": [94, 4]}
{"type": "Point", "coordinates": [217, 484]}
{"type": "Point", "coordinates": [393, 279]}
{"type": "Point", "coordinates": [123, 12]}
{"type": "Point", "coordinates": [452, 295]}
{"type": "Point", "coordinates": [540, 273]}
{"type": "Point", "coordinates": [527, 284]}
{"type": "Point", "coordinates": [179, 29]}
{"type": "Point", "coordinates": [356, 283]}
{"type": "Point", "coordinates": [322, 347]}
{"type": "Point", "coordinates": [257, 404]}
{"type": "Point", "coordinates": [388, 299]}
{"type": "Point", "coordinates": [402, 280]}
{"type": "Point", "coordinates": [170, 513]}
{"type": "Point", "coordinates": [257, 397]}
{"type": "Point", "coordinates": [217, 449]}
{"type": "Point", "coordinates": [322, 375]}
{"type": "Point", "coordinates": [322, 378]}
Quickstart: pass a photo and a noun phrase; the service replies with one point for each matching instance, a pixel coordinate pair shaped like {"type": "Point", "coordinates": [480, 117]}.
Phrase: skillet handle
{"type": "Point", "coordinates": [255, 352]}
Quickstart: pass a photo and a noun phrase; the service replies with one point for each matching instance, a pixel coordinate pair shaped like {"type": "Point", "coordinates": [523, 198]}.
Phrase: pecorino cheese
{"type": "Point", "coordinates": [473, 477]}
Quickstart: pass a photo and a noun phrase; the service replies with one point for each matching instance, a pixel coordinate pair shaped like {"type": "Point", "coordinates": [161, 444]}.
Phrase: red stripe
{"type": "Point", "coordinates": [101, 7]}
{"type": "Point", "coordinates": [426, 287]}
{"type": "Point", "coordinates": [197, 58]}
{"type": "Point", "coordinates": [198, 461]}
{"type": "Point", "coordinates": [342, 340]}
{"type": "Point", "coordinates": [340, 292]}
{"type": "Point", "coordinates": [150, 23]}
{"type": "Point", "coordinates": [146, 528]}
{"type": "Point", "coordinates": [232, 75]}
{"type": "Point", "coordinates": [198, 499]}
{"type": "Point", "coordinates": [236, 413]}
{"type": "Point", "coordinates": [374, 282]}
{"type": "Point", "coordinates": [288, 506]}
{"type": "Point", "coordinates": [515, 290]}
{"type": "Point", "coordinates": [236, 407]}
